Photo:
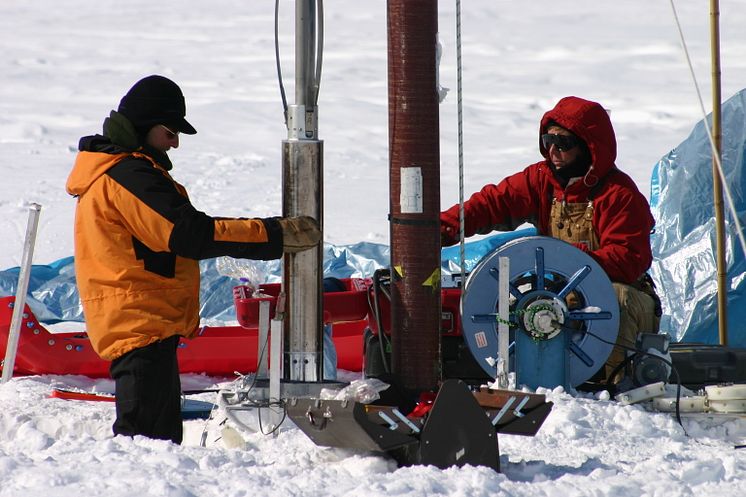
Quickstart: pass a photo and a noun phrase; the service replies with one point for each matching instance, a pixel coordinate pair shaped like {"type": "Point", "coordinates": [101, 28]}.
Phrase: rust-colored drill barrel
{"type": "Point", "coordinates": [414, 161]}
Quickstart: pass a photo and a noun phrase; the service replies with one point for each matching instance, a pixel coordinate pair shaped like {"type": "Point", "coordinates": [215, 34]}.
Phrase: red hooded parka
{"type": "Point", "coordinates": [622, 219]}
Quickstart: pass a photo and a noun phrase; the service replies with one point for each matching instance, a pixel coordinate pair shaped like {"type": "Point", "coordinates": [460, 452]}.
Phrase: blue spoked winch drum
{"type": "Point", "coordinates": [564, 314]}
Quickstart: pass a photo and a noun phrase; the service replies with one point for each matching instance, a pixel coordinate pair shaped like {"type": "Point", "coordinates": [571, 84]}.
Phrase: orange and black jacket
{"type": "Point", "coordinates": [138, 240]}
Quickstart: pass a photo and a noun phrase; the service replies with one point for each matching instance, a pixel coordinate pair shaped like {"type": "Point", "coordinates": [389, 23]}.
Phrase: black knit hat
{"type": "Point", "coordinates": [156, 100]}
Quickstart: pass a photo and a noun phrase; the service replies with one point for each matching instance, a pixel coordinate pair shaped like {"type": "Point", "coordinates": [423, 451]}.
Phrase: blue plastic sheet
{"type": "Point", "coordinates": [684, 242]}
{"type": "Point", "coordinates": [53, 294]}
{"type": "Point", "coordinates": [474, 252]}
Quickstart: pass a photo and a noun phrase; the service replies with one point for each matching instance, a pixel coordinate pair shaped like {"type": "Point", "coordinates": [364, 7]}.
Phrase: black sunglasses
{"type": "Point", "coordinates": [563, 142]}
{"type": "Point", "coordinates": [170, 134]}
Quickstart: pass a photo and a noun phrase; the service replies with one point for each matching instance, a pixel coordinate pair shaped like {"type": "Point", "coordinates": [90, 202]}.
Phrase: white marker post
{"type": "Point", "coordinates": [276, 410]}
{"type": "Point", "coordinates": [262, 352]}
{"type": "Point", "coordinates": [20, 302]}
{"type": "Point", "coordinates": [503, 331]}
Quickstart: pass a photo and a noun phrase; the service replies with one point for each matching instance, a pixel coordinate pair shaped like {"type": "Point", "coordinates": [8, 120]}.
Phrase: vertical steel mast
{"type": "Point", "coordinates": [302, 179]}
{"type": "Point", "coordinates": [414, 162]}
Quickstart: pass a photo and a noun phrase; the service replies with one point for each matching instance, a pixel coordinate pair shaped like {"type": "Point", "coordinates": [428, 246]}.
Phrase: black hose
{"type": "Point", "coordinates": [616, 370]}
{"type": "Point", "coordinates": [377, 311]}
{"type": "Point", "coordinates": [319, 51]}
{"type": "Point", "coordinates": [277, 61]}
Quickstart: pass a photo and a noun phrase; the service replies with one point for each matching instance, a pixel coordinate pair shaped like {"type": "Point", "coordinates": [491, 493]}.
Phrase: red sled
{"type": "Point", "coordinates": [215, 351]}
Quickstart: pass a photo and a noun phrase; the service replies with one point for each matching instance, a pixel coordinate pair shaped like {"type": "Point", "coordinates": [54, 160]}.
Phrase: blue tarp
{"type": "Point", "coordinates": [684, 242]}
{"type": "Point", "coordinates": [476, 250]}
{"type": "Point", "coordinates": [53, 295]}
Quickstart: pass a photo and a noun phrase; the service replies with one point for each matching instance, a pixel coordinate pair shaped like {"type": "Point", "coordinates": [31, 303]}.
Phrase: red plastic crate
{"type": "Point", "coordinates": [349, 305]}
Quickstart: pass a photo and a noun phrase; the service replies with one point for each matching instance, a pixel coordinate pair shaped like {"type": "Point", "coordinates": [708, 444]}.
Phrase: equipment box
{"type": "Point", "coordinates": [700, 364]}
{"type": "Point", "coordinates": [345, 299]}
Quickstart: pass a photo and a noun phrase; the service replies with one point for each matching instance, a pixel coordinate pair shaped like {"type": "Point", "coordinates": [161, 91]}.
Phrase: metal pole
{"type": "Point", "coordinates": [275, 375]}
{"type": "Point", "coordinates": [262, 350]}
{"type": "Point", "coordinates": [717, 189]}
{"type": "Point", "coordinates": [414, 161]}
{"type": "Point", "coordinates": [503, 330]}
{"type": "Point", "coordinates": [302, 274]}
{"type": "Point", "coordinates": [20, 301]}
{"type": "Point", "coordinates": [302, 173]}
{"type": "Point", "coordinates": [460, 107]}
{"type": "Point", "coordinates": [305, 65]}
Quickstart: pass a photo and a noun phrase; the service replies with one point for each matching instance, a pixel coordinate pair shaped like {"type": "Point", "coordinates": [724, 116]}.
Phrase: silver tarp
{"type": "Point", "coordinates": [684, 242]}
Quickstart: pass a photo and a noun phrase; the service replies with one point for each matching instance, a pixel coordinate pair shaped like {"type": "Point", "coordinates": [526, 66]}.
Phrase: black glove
{"type": "Point", "coordinates": [299, 233]}
{"type": "Point", "coordinates": [448, 235]}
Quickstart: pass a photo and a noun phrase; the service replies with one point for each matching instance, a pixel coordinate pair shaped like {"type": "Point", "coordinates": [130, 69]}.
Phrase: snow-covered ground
{"type": "Point", "coordinates": [65, 64]}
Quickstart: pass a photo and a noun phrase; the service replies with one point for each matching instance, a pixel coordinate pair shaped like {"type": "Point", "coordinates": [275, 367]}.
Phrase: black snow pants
{"type": "Point", "coordinates": [148, 392]}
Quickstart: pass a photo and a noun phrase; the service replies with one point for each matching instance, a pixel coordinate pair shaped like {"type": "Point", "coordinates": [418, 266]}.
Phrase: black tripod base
{"type": "Point", "coordinates": [455, 432]}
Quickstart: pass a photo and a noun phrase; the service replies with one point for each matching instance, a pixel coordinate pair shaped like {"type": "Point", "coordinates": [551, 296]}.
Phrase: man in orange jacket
{"type": "Point", "coordinates": [138, 240]}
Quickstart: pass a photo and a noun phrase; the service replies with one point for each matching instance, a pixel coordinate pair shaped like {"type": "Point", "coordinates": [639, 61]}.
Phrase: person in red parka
{"type": "Point", "coordinates": [578, 195]}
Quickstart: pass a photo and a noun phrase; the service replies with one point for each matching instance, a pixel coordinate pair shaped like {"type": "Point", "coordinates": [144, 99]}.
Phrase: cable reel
{"type": "Point", "coordinates": [563, 310]}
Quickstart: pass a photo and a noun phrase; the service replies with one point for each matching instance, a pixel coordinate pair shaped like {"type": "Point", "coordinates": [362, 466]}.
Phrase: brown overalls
{"type": "Point", "coordinates": [573, 223]}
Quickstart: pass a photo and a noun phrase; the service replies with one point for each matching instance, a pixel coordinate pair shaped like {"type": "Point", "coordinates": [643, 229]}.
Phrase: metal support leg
{"type": "Point", "coordinates": [20, 302]}
{"type": "Point", "coordinates": [503, 330]}
{"type": "Point", "coordinates": [275, 374]}
{"type": "Point", "coordinates": [263, 342]}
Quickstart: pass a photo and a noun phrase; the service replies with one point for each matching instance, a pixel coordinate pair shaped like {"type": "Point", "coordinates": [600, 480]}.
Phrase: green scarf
{"type": "Point", "coordinates": [120, 131]}
{"type": "Point", "coordinates": [123, 133]}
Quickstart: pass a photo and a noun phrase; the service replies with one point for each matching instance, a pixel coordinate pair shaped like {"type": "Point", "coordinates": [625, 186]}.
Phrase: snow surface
{"type": "Point", "coordinates": [65, 64]}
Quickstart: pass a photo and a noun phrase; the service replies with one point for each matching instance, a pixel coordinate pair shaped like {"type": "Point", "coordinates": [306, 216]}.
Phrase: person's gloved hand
{"type": "Point", "coordinates": [448, 235]}
{"type": "Point", "coordinates": [299, 233]}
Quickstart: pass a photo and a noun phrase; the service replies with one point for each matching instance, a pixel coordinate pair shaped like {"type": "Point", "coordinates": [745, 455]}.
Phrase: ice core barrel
{"type": "Point", "coordinates": [414, 162]}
